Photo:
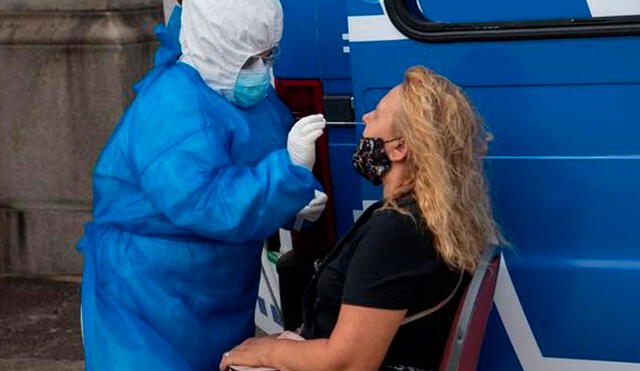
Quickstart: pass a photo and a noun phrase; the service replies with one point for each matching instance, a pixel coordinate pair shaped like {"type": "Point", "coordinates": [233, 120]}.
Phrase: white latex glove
{"type": "Point", "coordinates": [314, 209]}
{"type": "Point", "coordinates": [301, 142]}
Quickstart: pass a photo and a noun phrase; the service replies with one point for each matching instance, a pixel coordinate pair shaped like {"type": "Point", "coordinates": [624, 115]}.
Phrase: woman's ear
{"type": "Point", "coordinates": [397, 151]}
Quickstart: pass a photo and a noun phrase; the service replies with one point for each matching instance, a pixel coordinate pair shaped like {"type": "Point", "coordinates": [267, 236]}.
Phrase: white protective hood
{"type": "Point", "coordinates": [218, 36]}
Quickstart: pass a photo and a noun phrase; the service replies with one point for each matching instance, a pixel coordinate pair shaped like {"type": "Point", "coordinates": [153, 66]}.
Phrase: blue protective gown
{"type": "Point", "coordinates": [185, 191]}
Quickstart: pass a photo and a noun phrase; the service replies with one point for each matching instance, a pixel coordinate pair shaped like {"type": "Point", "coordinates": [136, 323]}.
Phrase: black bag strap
{"type": "Point", "coordinates": [435, 308]}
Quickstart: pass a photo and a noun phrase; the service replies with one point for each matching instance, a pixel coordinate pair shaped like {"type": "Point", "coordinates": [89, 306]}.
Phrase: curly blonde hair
{"type": "Point", "coordinates": [446, 141]}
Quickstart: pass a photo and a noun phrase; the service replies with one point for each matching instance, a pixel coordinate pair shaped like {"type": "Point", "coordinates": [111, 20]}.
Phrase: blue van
{"type": "Point", "coordinates": [558, 84]}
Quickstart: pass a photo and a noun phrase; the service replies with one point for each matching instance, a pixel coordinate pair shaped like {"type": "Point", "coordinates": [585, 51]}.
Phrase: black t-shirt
{"type": "Point", "coordinates": [387, 261]}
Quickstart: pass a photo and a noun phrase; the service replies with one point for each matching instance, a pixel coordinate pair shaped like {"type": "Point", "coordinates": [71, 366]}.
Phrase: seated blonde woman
{"type": "Point", "coordinates": [409, 253]}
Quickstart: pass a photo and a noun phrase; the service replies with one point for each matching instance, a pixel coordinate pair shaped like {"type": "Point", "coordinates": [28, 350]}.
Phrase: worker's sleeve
{"type": "Point", "coordinates": [193, 182]}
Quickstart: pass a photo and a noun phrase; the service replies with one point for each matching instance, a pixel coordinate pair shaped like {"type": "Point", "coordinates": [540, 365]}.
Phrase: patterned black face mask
{"type": "Point", "coordinates": [371, 160]}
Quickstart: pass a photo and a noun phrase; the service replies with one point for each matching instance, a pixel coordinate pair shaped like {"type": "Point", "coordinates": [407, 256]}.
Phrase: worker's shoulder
{"type": "Point", "coordinates": [178, 89]}
{"type": "Point", "coordinates": [176, 103]}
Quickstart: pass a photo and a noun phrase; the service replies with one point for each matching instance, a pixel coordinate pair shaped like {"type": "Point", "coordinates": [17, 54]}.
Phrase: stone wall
{"type": "Point", "coordinates": [66, 70]}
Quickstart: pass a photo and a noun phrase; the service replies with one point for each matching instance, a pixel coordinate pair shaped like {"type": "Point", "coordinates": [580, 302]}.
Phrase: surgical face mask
{"type": "Point", "coordinates": [371, 160]}
{"type": "Point", "coordinates": [252, 86]}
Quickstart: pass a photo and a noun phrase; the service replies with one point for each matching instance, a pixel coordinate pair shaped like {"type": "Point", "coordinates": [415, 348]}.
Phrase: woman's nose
{"type": "Point", "coordinates": [365, 118]}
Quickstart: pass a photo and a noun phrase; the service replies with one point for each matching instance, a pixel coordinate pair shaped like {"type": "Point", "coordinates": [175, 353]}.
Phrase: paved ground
{"type": "Point", "coordinates": [35, 364]}
{"type": "Point", "coordinates": [39, 325]}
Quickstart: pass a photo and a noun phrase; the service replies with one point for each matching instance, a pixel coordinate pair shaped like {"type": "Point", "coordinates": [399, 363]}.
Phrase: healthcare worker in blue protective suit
{"type": "Point", "coordinates": [202, 167]}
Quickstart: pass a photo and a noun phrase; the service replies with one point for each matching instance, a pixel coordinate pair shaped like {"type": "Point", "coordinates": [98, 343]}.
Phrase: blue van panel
{"type": "Point", "coordinates": [569, 208]}
{"type": "Point", "coordinates": [363, 7]}
{"type": "Point", "coordinates": [561, 120]}
{"type": "Point", "coordinates": [580, 312]}
{"type": "Point", "coordinates": [337, 87]}
{"type": "Point", "coordinates": [299, 56]}
{"type": "Point", "coordinates": [502, 10]}
{"type": "Point", "coordinates": [497, 352]}
{"type": "Point", "coordinates": [345, 181]}
{"type": "Point", "coordinates": [573, 223]}
{"type": "Point", "coordinates": [312, 45]}
{"type": "Point", "coordinates": [332, 15]}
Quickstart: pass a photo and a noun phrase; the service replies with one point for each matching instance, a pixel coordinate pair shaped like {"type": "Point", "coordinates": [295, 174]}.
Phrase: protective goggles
{"type": "Point", "coordinates": [268, 57]}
